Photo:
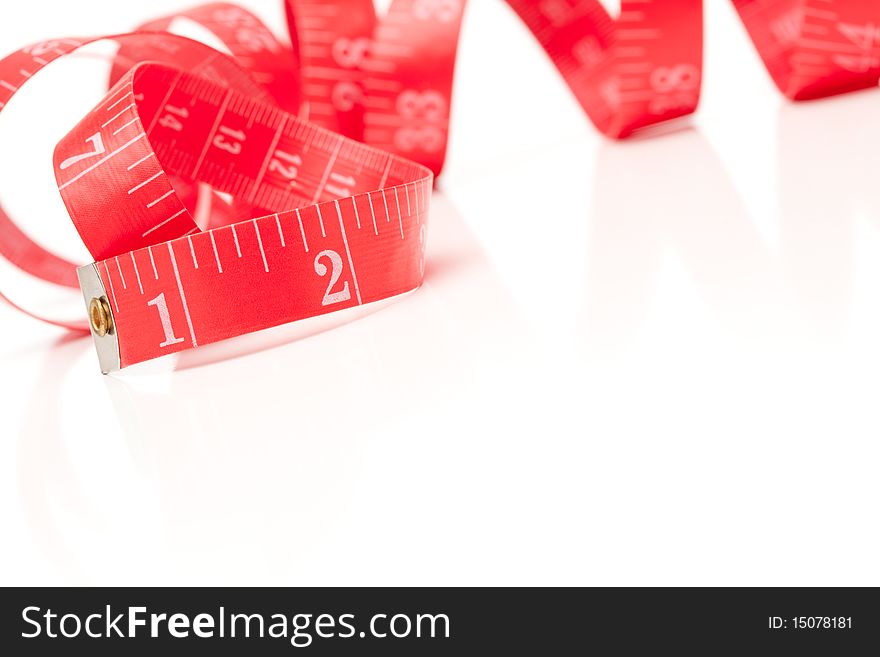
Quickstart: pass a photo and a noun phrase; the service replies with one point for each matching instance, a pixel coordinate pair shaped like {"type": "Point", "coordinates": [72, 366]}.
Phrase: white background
{"type": "Point", "coordinates": [644, 363]}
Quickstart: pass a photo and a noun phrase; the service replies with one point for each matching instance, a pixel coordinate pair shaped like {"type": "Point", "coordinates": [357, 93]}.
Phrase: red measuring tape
{"type": "Point", "coordinates": [328, 146]}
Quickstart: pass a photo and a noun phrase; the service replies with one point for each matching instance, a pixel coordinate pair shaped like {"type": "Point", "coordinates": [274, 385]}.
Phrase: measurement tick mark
{"type": "Point", "coordinates": [348, 252]}
{"type": "Point", "coordinates": [235, 237]}
{"type": "Point", "coordinates": [116, 116]}
{"type": "Point", "coordinates": [192, 252]}
{"type": "Point", "coordinates": [123, 99]}
{"type": "Point", "coordinates": [119, 267]}
{"type": "Point", "coordinates": [140, 161]}
{"type": "Point", "coordinates": [373, 212]}
{"type": "Point", "coordinates": [399, 218]}
{"type": "Point", "coordinates": [216, 255]}
{"type": "Point", "coordinates": [321, 221]}
{"type": "Point", "coordinates": [132, 122]}
{"type": "Point", "coordinates": [302, 231]}
{"type": "Point", "coordinates": [144, 183]}
{"type": "Point", "coordinates": [192, 333]}
{"type": "Point", "coordinates": [153, 262]}
{"type": "Point", "coordinates": [280, 232]}
{"type": "Point", "coordinates": [260, 243]}
{"type": "Point", "coordinates": [136, 272]}
{"type": "Point", "coordinates": [112, 291]}
{"type": "Point", "coordinates": [168, 220]}
{"type": "Point", "coordinates": [357, 215]}
{"type": "Point", "coordinates": [160, 199]}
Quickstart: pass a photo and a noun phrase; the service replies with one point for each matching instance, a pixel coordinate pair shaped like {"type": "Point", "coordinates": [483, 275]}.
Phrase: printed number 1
{"type": "Point", "coordinates": [165, 318]}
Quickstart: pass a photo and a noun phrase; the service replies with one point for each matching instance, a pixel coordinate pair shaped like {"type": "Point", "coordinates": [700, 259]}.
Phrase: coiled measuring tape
{"type": "Point", "coordinates": [328, 146]}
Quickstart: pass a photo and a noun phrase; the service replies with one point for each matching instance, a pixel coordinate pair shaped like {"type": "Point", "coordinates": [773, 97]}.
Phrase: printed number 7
{"type": "Point", "coordinates": [97, 144]}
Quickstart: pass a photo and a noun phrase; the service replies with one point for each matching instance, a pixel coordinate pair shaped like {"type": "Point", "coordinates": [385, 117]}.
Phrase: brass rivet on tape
{"type": "Point", "coordinates": [100, 317]}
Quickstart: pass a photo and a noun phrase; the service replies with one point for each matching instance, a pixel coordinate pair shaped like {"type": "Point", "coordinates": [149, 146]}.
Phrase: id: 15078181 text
{"type": "Point", "coordinates": [810, 623]}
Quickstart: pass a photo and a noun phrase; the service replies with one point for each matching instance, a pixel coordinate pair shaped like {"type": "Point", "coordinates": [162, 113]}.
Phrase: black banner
{"type": "Point", "coordinates": [448, 621]}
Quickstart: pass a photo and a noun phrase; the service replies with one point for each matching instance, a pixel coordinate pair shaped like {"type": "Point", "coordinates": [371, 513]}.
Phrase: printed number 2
{"type": "Point", "coordinates": [331, 298]}
{"type": "Point", "coordinates": [98, 148]}
{"type": "Point", "coordinates": [165, 318]}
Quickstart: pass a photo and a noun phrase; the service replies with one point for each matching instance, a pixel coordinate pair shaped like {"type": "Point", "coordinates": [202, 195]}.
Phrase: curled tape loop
{"type": "Point", "coordinates": [322, 152]}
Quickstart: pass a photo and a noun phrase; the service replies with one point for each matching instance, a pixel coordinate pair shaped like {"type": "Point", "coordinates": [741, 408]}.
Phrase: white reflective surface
{"type": "Point", "coordinates": [642, 363]}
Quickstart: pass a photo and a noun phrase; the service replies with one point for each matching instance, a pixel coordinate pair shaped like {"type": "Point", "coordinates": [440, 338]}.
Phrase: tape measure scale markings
{"type": "Point", "coordinates": [331, 211]}
{"type": "Point", "coordinates": [341, 245]}
{"type": "Point", "coordinates": [356, 232]}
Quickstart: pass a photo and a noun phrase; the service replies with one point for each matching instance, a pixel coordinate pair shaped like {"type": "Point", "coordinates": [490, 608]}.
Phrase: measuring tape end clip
{"type": "Point", "coordinates": [101, 322]}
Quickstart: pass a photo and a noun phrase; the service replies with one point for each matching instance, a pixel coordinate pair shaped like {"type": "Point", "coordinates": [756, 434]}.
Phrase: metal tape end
{"type": "Point", "coordinates": [101, 321]}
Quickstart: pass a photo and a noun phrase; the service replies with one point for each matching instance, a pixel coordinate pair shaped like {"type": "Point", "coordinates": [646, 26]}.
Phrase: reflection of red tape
{"type": "Point", "coordinates": [332, 213]}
